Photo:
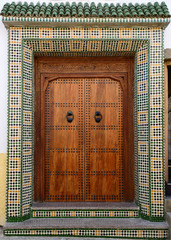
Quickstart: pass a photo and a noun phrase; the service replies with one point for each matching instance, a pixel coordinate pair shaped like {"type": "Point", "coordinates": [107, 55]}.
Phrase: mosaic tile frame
{"type": "Point", "coordinates": [147, 46]}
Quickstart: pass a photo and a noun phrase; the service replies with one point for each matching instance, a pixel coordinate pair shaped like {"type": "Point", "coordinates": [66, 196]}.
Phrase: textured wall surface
{"type": "Point", "coordinates": [3, 158]}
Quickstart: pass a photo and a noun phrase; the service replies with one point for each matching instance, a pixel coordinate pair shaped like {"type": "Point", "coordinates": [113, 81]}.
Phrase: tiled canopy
{"type": "Point", "coordinates": [85, 10]}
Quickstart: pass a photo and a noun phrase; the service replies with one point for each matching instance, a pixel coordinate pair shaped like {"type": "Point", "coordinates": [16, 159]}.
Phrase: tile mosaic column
{"type": "Point", "coordinates": [142, 104]}
{"type": "Point", "coordinates": [156, 124]}
{"type": "Point", "coordinates": [27, 130]}
{"type": "Point", "coordinates": [14, 180]}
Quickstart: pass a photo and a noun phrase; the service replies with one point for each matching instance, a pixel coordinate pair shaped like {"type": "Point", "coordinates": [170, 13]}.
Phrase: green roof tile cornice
{"type": "Point", "coordinates": [73, 9]}
{"type": "Point", "coordinates": [83, 14]}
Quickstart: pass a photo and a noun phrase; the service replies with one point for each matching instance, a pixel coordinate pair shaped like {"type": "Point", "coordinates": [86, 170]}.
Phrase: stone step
{"type": "Point", "coordinates": [168, 220]}
{"type": "Point", "coordinates": [114, 228]}
{"type": "Point", "coordinates": [85, 209]}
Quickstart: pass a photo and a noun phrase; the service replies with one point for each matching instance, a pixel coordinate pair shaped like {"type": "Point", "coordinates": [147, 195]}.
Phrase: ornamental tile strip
{"type": "Point", "coordinates": [92, 233]}
{"type": "Point", "coordinates": [85, 213]}
{"type": "Point", "coordinates": [27, 129]}
{"type": "Point", "coordinates": [146, 45]}
{"type": "Point", "coordinates": [142, 107]}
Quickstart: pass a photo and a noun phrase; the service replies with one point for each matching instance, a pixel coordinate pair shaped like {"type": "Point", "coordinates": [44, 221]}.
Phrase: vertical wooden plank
{"type": "Point", "coordinates": [129, 135]}
{"type": "Point", "coordinates": [37, 133]}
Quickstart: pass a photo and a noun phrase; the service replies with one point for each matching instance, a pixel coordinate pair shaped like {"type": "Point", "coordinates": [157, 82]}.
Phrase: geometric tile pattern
{"type": "Point", "coordinates": [156, 118]}
{"type": "Point", "coordinates": [135, 116]}
{"type": "Point", "coordinates": [92, 233]}
{"type": "Point", "coordinates": [14, 130]}
{"type": "Point", "coordinates": [83, 47]}
{"type": "Point", "coordinates": [142, 140]}
{"type": "Point", "coordinates": [146, 45]}
{"type": "Point", "coordinates": [85, 213]}
{"type": "Point", "coordinates": [27, 131]}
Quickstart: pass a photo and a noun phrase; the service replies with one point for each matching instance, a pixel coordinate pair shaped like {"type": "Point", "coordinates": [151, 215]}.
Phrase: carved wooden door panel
{"type": "Point", "coordinates": [64, 140]}
{"type": "Point", "coordinates": [104, 140]}
{"type": "Point", "coordinates": [83, 129]}
{"type": "Point", "coordinates": [83, 140]}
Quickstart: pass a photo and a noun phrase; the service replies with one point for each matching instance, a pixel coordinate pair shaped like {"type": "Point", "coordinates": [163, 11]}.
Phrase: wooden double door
{"type": "Point", "coordinates": [83, 128]}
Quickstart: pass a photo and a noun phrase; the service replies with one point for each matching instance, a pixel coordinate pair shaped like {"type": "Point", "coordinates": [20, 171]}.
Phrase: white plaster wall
{"type": "Point", "coordinates": [4, 59]}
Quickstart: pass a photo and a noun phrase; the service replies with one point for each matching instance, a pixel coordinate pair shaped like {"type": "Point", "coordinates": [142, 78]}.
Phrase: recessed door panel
{"type": "Point", "coordinates": [104, 136]}
{"type": "Point", "coordinates": [63, 140]}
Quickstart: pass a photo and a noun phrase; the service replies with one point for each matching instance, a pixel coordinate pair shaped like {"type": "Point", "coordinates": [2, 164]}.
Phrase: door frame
{"type": "Point", "coordinates": [41, 83]}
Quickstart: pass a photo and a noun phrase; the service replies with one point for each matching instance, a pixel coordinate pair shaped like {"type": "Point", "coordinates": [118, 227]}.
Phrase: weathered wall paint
{"type": "Point", "coordinates": [3, 160]}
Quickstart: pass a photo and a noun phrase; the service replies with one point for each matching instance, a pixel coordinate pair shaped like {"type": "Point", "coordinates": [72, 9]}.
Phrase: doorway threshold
{"type": "Point", "coordinates": [88, 229]}
{"type": "Point", "coordinates": [85, 205]}
{"type": "Point", "coordinates": [85, 210]}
